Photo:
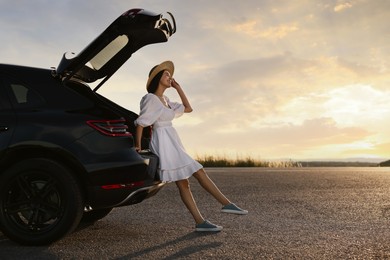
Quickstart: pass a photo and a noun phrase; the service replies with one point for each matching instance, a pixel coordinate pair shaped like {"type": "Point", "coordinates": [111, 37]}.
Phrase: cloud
{"type": "Point", "coordinates": [283, 84]}
{"type": "Point", "coordinates": [254, 30]}
{"type": "Point", "coordinates": [342, 6]}
{"type": "Point", "coordinates": [279, 32]}
{"type": "Point", "coordinates": [271, 78]}
{"type": "Point", "coordinates": [382, 150]}
{"type": "Point", "coordinates": [305, 140]}
{"type": "Point", "coordinates": [276, 102]}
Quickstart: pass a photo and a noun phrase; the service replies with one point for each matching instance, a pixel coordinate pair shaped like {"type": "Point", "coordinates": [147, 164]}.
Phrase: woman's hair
{"type": "Point", "coordinates": [155, 81]}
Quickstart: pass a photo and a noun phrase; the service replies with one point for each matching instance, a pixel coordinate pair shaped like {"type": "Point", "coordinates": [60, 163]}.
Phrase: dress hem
{"type": "Point", "coordinates": [180, 173]}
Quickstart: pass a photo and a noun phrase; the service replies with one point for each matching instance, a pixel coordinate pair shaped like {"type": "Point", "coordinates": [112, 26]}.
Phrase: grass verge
{"type": "Point", "coordinates": [218, 161]}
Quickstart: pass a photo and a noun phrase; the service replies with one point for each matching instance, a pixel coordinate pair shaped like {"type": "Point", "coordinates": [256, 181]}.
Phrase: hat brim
{"type": "Point", "coordinates": [166, 65]}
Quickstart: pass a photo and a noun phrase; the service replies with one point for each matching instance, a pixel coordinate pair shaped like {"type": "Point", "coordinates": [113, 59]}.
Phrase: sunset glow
{"type": "Point", "coordinates": [267, 79]}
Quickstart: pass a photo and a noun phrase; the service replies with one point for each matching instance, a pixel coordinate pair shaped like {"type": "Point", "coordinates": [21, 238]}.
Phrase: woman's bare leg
{"type": "Point", "coordinates": [210, 187]}
{"type": "Point", "coordinates": [188, 199]}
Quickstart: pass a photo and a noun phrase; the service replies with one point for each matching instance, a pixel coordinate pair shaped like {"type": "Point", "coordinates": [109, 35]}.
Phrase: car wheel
{"type": "Point", "coordinates": [95, 215]}
{"type": "Point", "coordinates": [40, 202]}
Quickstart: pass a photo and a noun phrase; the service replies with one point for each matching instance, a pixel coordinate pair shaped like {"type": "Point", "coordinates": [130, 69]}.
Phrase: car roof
{"type": "Point", "coordinates": [41, 80]}
{"type": "Point", "coordinates": [114, 46]}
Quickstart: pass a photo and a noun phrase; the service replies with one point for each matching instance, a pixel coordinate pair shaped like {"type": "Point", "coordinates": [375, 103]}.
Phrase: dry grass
{"type": "Point", "coordinates": [219, 161]}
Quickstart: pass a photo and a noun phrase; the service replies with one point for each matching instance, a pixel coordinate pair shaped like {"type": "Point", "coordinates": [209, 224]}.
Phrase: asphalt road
{"type": "Point", "coordinates": [299, 213]}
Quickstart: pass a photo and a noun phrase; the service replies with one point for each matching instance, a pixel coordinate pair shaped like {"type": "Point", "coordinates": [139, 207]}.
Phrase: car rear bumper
{"type": "Point", "coordinates": [123, 183]}
{"type": "Point", "coordinates": [117, 196]}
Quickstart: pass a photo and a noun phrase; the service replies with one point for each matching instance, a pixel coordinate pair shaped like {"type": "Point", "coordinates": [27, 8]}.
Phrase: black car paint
{"type": "Point", "coordinates": [44, 120]}
{"type": "Point", "coordinates": [100, 160]}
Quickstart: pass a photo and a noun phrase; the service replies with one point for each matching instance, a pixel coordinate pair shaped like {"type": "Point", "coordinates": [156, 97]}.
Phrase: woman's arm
{"type": "Point", "coordinates": [138, 137]}
{"type": "Point", "coordinates": [182, 95]}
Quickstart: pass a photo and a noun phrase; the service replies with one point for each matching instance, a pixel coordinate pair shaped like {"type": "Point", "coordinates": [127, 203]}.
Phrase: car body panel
{"type": "Point", "coordinates": [55, 130]}
{"type": "Point", "coordinates": [7, 121]}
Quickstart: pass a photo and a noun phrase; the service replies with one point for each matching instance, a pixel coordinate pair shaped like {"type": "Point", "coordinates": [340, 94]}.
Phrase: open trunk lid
{"type": "Point", "coordinates": [114, 46]}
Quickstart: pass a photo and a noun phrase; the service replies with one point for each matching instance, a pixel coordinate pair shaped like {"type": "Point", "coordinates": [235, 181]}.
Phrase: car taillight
{"type": "Point", "coordinates": [123, 186]}
{"type": "Point", "coordinates": [110, 127]}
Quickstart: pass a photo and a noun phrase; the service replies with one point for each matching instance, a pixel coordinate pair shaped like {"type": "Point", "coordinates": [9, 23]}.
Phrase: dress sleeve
{"type": "Point", "coordinates": [177, 107]}
{"type": "Point", "coordinates": [151, 109]}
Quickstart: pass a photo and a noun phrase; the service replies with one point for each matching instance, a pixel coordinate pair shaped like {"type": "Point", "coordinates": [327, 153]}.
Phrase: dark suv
{"type": "Point", "coordinates": [67, 153]}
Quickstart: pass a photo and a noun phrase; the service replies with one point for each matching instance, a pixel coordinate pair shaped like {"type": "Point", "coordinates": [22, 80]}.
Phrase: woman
{"type": "Point", "coordinates": [175, 164]}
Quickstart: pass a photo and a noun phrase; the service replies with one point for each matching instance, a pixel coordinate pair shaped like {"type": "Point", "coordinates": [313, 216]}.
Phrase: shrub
{"type": "Point", "coordinates": [218, 161]}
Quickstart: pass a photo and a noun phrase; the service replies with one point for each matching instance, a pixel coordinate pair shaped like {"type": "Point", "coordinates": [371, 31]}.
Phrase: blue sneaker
{"type": "Point", "coordinates": [207, 226]}
{"type": "Point", "coordinates": [233, 209]}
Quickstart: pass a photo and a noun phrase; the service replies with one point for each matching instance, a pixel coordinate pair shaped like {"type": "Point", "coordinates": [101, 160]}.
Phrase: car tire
{"type": "Point", "coordinates": [95, 215]}
{"type": "Point", "coordinates": [40, 202]}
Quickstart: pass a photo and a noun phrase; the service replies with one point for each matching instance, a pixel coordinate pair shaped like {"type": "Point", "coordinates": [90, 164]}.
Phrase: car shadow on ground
{"type": "Point", "coordinates": [13, 250]}
{"type": "Point", "coordinates": [5, 240]}
{"type": "Point", "coordinates": [185, 252]}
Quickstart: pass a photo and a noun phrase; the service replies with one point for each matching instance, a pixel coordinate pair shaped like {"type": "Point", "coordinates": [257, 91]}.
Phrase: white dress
{"type": "Point", "coordinates": [175, 163]}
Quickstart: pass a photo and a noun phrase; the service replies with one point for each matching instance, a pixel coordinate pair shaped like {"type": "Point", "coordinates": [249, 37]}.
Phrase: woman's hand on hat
{"type": "Point", "coordinates": [174, 84]}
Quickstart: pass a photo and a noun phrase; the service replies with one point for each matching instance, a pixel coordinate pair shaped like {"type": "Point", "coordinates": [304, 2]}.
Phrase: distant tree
{"type": "Point", "coordinates": [385, 164]}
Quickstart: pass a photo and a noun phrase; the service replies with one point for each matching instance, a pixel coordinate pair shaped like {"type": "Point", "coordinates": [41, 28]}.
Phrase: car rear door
{"type": "Point", "coordinates": [7, 118]}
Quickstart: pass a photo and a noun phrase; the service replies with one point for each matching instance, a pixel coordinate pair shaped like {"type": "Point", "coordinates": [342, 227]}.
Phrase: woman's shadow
{"type": "Point", "coordinates": [185, 252]}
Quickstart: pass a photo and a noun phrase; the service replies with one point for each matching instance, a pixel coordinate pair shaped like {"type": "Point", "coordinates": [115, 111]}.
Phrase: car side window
{"type": "Point", "coordinates": [20, 93]}
{"type": "Point", "coordinates": [25, 97]}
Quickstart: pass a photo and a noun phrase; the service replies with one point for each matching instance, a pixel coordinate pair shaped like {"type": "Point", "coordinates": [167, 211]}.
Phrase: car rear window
{"type": "Point", "coordinates": [109, 52]}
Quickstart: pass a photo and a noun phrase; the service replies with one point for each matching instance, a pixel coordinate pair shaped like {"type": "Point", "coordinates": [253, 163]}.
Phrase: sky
{"type": "Point", "coordinates": [267, 79]}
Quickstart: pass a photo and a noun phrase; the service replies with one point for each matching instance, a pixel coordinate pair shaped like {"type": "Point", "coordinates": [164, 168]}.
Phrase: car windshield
{"type": "Point", "coordinates": [108, 52]}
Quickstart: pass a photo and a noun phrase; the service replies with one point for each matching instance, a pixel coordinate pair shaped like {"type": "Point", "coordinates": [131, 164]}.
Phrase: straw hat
{"type": "Point", "coordinates": [166, 65]}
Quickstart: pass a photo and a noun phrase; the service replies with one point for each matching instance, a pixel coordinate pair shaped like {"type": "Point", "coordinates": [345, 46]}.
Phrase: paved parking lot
{"type": "Point", "coordinates": [298, 213]}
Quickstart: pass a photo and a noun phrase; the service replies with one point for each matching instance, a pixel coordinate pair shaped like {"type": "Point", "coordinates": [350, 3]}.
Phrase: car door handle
{"type": "Point", "coordinates": [3, 128]}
